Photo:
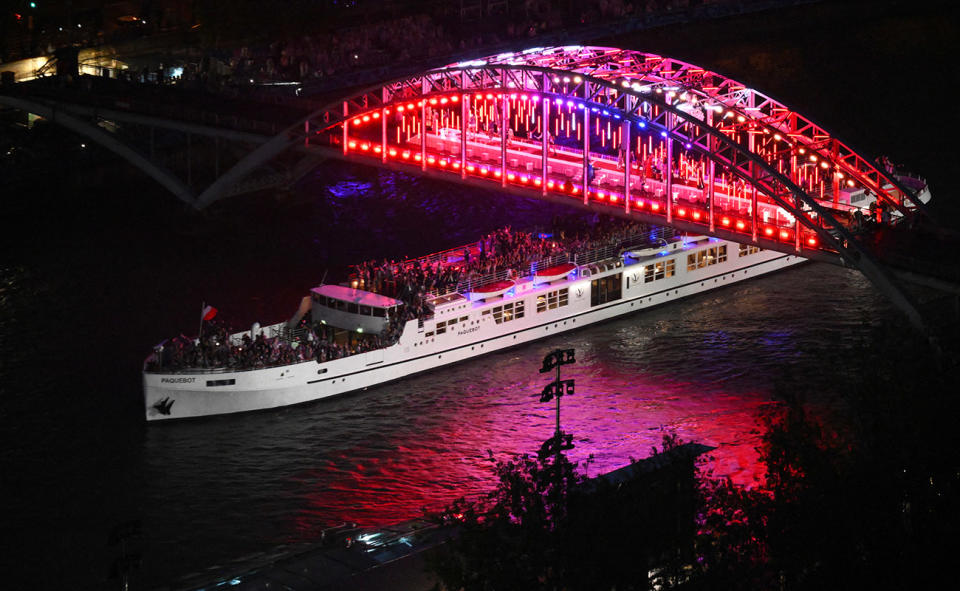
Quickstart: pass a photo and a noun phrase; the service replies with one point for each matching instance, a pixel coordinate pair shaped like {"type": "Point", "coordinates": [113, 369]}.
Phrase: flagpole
{"type": "Point", "coordinates": [203, 306]}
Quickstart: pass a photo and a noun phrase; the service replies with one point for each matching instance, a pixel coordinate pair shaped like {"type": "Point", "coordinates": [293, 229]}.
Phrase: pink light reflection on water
{"type": "Point", "coordinates": [615, 415]}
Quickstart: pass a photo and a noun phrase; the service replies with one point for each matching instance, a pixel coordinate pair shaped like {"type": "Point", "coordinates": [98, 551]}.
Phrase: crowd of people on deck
{"type": "Point", "coordinates": [215, 348]}
{"type": "Point", "coordinates": [505, 250]}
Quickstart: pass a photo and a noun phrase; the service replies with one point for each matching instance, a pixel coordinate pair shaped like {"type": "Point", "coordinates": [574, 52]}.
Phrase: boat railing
{"type": "Point", "coordinates": [580, 257]}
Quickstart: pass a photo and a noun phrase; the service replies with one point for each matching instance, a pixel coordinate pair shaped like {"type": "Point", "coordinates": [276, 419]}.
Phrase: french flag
{"type": "Point", "coordinates": [208, 313]}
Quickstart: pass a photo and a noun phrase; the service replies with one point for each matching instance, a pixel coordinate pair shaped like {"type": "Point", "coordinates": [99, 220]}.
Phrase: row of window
{"type": "Point", "coordinates": [659, 270]}
{"type": "Point", "coordinates": [746, 249]}
{"type": "Point", "coordinates": [444, 324]}
{"type": "Point", "coordinates": [351, 307]}
{"type": "Point", "coordinates": [553, 299]}
{"type": "Point", "coordinates": [506, 312]}
{"type": "Point", "coordinates": [706, 257]}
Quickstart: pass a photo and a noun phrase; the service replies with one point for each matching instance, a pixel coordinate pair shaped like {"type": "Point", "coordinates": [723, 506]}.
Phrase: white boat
{"type": "Point", "coordinates": [606, 283]}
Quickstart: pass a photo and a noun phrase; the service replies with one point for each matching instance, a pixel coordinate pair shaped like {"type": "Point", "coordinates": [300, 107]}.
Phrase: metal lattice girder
{"type": "Point", "coordinates": [742, 110]}
{"type": "Point", "coordinates": [747, 134]}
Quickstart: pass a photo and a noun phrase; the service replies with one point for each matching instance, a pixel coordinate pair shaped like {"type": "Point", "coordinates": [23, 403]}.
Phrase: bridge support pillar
{"type": "Point", "coordinates": [423, 125]}
{"type": "Point", "coordinates": [586, 144]}
{"type": "Point", "coordinates": [668, 169]}
{"type": "Point", "coordinates": [502, 127]}
{"type": "Point", "coordinates": [464, 127]}
{"type": "Point", "coordinates": [544, 134]}
{"type": "Point", "coordinates": [346, 124]}
{"type": "Point", "coordinates": [384, 115]}
{"type": "Point", "coordinates": [625, 150]}
{"type": "Point", "coordinates": [711, 175]}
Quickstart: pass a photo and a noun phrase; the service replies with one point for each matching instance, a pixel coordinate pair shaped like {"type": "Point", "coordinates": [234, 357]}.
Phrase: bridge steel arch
{"type": "Point", "coordinates": [784, 183]}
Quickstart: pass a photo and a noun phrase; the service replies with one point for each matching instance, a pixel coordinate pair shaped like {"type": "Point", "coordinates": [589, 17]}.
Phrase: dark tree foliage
{"type": "Point", "coordinates": [871, 504]}
{"type": "Point", "coordinates": [546, 526]}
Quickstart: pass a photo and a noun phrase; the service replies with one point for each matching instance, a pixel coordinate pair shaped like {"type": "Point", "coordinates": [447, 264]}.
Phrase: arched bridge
{"type": "Point", "coordinates": [622, 132]}
{"type": "Point", "coordinates": [636, 135]}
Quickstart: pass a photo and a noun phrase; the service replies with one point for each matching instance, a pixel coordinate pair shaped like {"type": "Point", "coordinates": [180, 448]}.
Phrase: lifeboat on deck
{"type": "Point", "coordinates": [492, 290]}
{"type": "Point", "coordinates": [553, 273]}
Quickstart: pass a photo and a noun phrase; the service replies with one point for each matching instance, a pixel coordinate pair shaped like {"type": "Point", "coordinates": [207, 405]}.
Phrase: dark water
{"type": "Point", "coordinates": [79, 314]}
{"type": "Point", "coordinates": [90, 279]}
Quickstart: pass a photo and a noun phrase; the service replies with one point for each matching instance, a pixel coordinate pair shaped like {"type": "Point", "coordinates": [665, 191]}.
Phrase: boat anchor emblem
{"type": "Point", "coordinates": [163, 406]}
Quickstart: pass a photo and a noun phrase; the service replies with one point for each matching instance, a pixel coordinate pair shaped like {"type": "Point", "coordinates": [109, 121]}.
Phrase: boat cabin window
{"type": "Point", "coordinates": [508, 312]}
{"type": "Point", "coordinates": [659, 270]}
{"type": "Point", "coordinates": [353, 308]}
{"type": "Point", "coordinates": [553, 299]}
{"type": "Point", "coordinates": [706, 257]}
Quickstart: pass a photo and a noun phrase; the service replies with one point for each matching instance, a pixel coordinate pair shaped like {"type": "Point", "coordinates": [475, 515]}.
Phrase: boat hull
{"type": "Point", "coordinates": [185, 395]}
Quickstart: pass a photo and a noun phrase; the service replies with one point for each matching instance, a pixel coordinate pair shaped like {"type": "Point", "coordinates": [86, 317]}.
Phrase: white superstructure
{"type": "Point", "coordinates": [464, 326]}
